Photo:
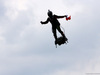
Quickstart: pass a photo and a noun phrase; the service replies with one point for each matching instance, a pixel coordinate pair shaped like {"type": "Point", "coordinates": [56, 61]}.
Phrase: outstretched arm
{"type": "Point", "coordinates": [45, 22]}
{"type": "Point", "coordinates": [60, 16]}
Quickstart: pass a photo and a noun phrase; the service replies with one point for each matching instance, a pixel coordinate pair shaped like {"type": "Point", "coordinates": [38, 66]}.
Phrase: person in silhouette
{"type": "Point", "coordinates": [55, 24]}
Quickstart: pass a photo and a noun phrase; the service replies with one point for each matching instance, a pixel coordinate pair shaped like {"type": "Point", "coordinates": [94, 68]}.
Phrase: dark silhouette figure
{"type": "Point", "coordinates": [55, 24]}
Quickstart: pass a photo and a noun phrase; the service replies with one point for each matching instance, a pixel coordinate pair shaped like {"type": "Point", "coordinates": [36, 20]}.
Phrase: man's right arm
{"type": "Point", "coordinates": [45, 22]}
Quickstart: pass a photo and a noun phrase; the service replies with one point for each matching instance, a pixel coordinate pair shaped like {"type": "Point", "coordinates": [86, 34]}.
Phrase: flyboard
{"type": "Point", "coordinates": [61, 40]}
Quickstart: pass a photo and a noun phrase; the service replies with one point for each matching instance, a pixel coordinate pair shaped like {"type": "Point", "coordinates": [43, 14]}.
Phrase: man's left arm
{"type": "Point", "coordinates": [60, 16]}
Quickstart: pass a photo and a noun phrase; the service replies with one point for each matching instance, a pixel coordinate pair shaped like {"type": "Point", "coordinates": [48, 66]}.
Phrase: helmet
{"type": "Point", "coordinates": [49, 13]}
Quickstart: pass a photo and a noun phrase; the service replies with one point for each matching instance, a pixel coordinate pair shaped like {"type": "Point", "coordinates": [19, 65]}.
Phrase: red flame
{"type": "Point", "coordinates": [68, 18]}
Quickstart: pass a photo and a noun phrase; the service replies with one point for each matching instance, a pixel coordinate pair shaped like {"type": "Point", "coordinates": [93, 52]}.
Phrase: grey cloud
{"type": "Point", "coordinates": [28, 47]}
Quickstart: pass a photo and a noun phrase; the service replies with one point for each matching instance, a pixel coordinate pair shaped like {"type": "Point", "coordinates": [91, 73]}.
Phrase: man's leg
{"type": "Point", "coordinates": [59, 29]}
{"type": "Point", "coordinates": [55, 35]}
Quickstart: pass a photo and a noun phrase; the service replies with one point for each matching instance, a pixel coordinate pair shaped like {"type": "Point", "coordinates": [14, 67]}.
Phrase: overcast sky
{"type": "Point", "coordinates": [27, 47]}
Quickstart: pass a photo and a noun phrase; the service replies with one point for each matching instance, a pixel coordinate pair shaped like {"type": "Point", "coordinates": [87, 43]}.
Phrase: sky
{"type": "Point", "coordinates": [27, 47]}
